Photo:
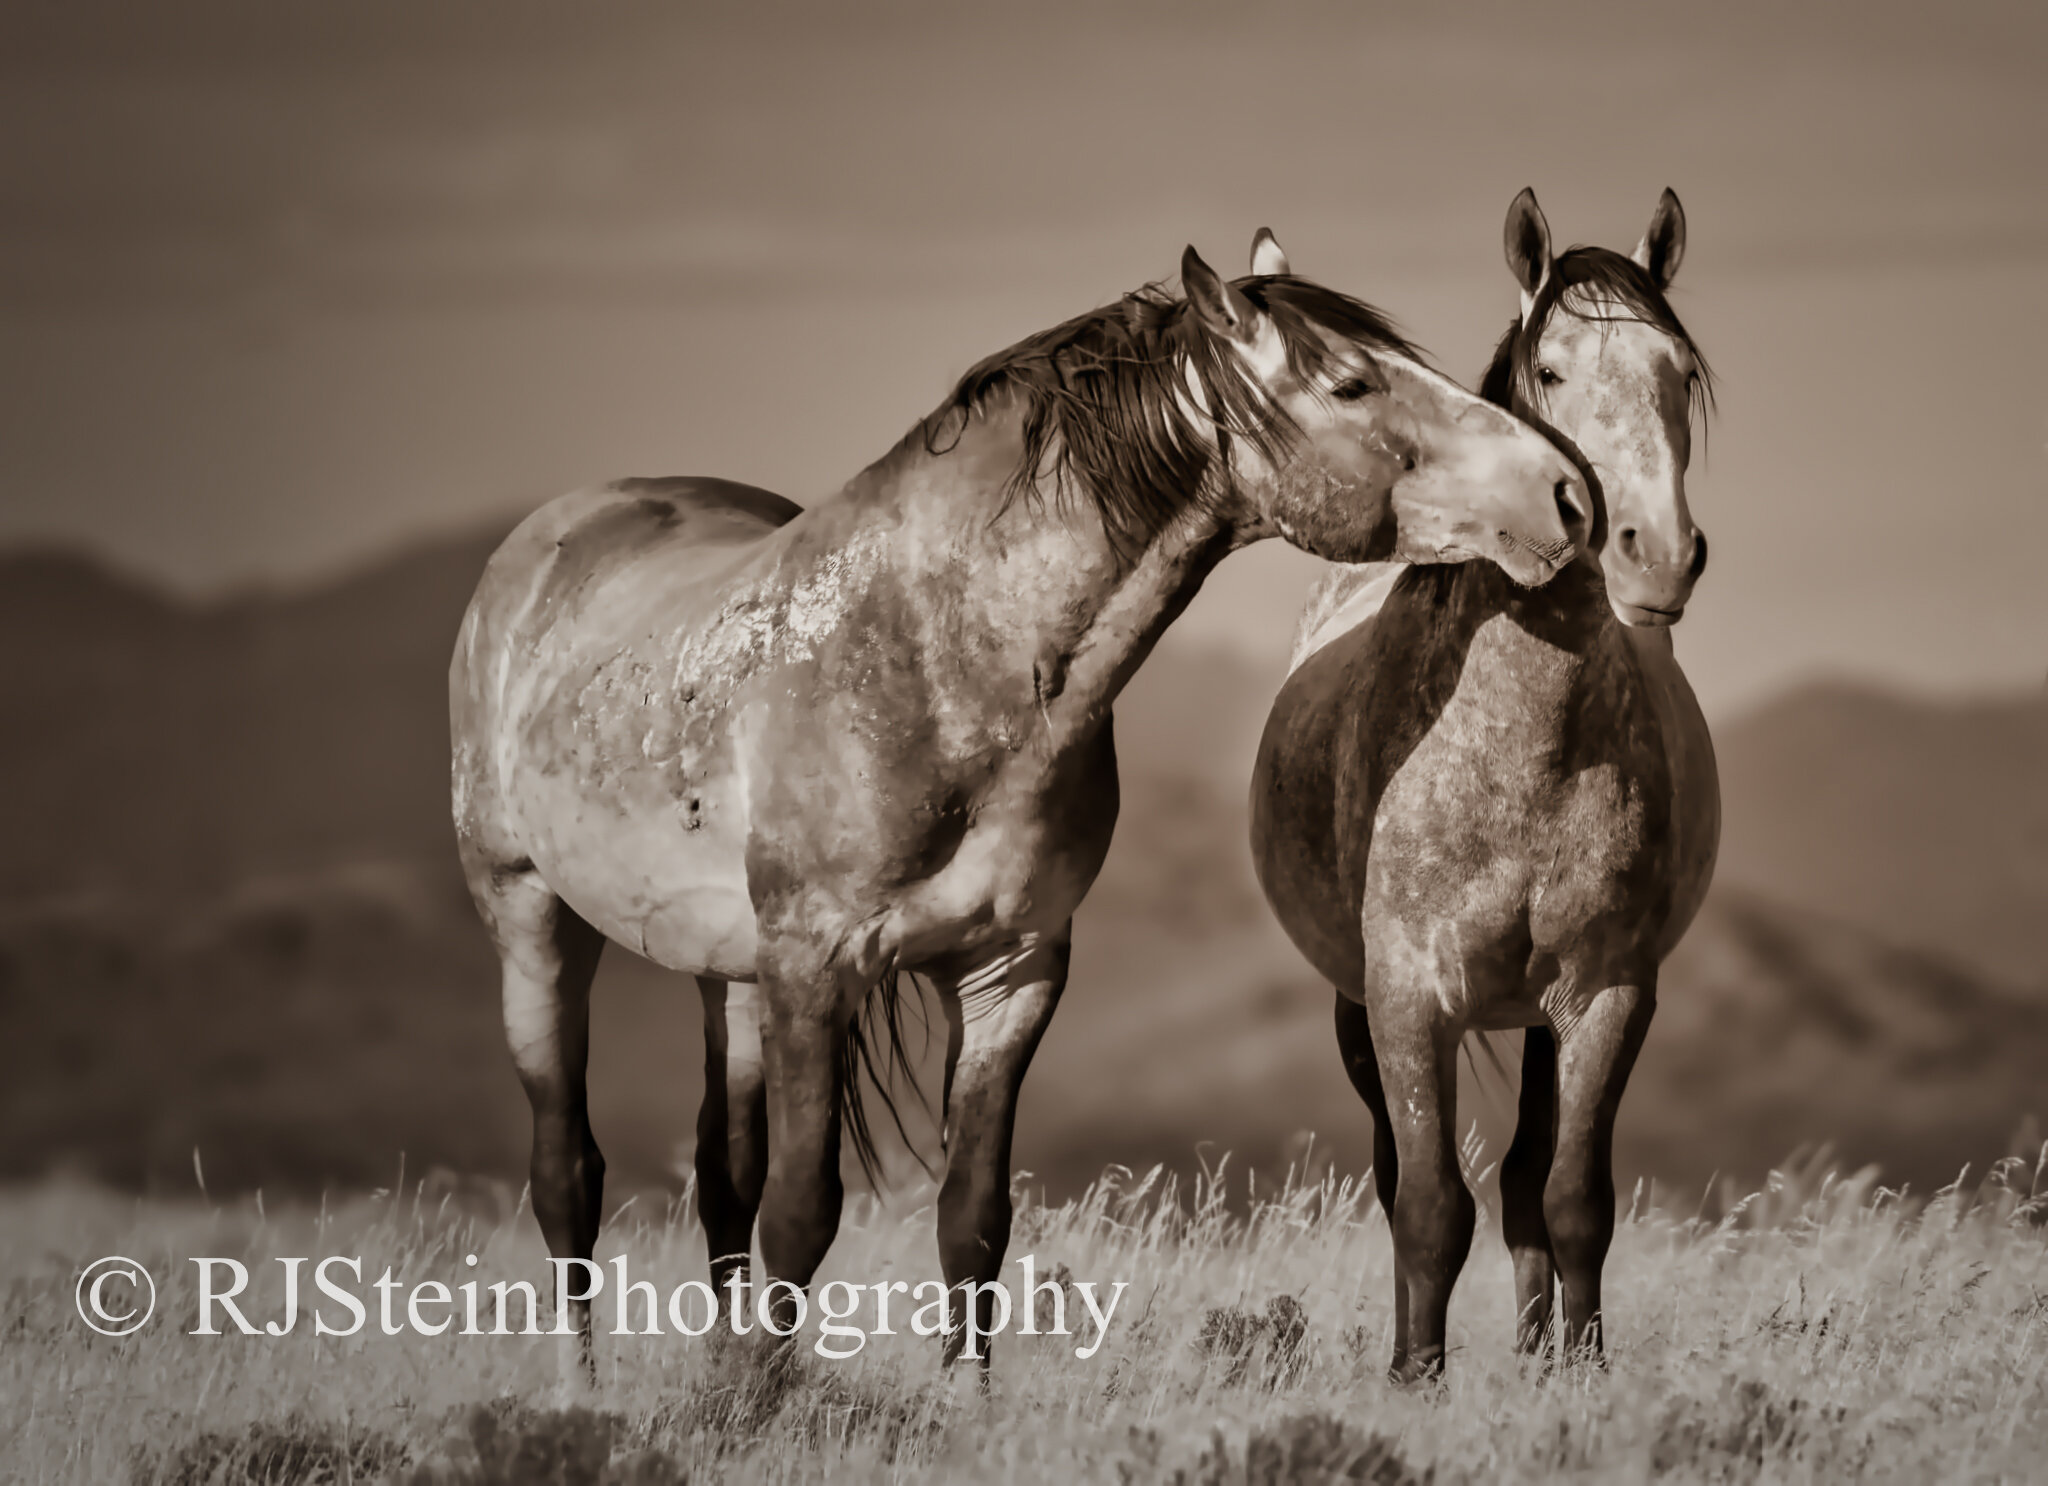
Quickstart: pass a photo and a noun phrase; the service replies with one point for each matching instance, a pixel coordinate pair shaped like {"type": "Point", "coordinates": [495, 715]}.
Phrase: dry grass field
{"type": "Point", "coordinates": [1821, 1329]}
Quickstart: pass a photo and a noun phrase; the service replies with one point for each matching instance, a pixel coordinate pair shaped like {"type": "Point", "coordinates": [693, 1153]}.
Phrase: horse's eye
{"type": "Point", "coordinates": [1351, 389]}
{"type": "Point", "coordinates": [1547, 377]}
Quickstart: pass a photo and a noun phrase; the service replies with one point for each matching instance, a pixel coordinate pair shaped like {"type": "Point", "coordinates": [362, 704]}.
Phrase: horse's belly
{"type": "Point", "coordinates": [661, 872]}
{"type": "Point", "coordinates": [592, 695]}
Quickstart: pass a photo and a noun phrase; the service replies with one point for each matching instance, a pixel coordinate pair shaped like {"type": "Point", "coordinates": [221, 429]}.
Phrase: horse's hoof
{"type": "Point", "coordinates": [964, 1378]}
{"type": "Point", "coordinates": [1539, 1358]}
{"type": "Point", "coordinates": [574, 1383]}
{"type": "Point", "coordinates": [965, 1385]}
{"type": "Point", "coordinates": [1416, 1375]}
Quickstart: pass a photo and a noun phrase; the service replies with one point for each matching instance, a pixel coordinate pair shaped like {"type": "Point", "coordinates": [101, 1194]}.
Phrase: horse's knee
{"type": "Point", "coordinates": [566, 1160]}
{"type": "Point", "coordinates": [1434, 1215]}
{"type": "Point", "coordinates": [1579, 1216]}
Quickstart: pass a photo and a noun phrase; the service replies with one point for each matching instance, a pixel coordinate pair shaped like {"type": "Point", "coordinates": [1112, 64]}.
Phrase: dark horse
{"type": "Point", "coordinates": [798, 752]}
{"type": "Point", "coordinates": [1479, 806]}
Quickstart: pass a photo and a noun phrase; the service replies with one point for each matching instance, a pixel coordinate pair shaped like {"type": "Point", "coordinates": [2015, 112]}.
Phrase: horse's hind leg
{"type": "Point", "coordinates": [1594, 1059]}
{"type": "Point", "coordinates": [1524, 1172]}
{"type": "Point", "coordinates": [549, 957]}
{"type": "Point", "coordinates": [994, 1021]}
{"type": "Point", "coordinates": [732, 1126]}
{"type": "Point", "coordinates": [1354, 1041]}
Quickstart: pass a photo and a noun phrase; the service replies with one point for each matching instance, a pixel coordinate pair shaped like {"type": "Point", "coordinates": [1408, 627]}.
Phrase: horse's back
{"type": "Point", "coordinates": [583, 548]}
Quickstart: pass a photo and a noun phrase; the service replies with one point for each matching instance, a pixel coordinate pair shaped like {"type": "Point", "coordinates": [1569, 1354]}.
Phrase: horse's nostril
{"type": "Point", "coordinates": [1626, 537]}
{"type": "Point", "coordinates": [1699, 554]}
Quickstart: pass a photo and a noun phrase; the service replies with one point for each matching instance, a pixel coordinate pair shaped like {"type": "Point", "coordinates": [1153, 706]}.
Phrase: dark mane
{"type": "Point", "coordinates": [1104, 405]}
{"type": "Point", "coordinates": [1594, 284]}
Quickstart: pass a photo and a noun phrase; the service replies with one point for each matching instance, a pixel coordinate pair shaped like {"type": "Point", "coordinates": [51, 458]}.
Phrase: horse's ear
{"type": "Point", "coordinates": [1267, 258]}
{"type": "Point", "coordinates": [1663, 246]}
{"type": "Point", "coordinates": [1527, 240]}
{"type": "Point", "coordinates": [1222, 307]}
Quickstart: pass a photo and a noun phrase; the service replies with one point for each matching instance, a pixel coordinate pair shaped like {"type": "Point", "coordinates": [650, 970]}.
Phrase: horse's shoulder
{"type": "Point", "coordinates": [1341, 600]}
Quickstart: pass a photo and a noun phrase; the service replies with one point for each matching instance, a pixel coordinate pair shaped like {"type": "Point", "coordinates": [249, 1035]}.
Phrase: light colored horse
{"type": "Point", "coordinates": [796, 752]}
{"type": "Point", "coordinates": [1480, 806]}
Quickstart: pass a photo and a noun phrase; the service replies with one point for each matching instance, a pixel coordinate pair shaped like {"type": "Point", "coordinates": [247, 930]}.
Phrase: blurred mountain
{"type": "Point", "coordinates": [184, 749]}
{"type": "Point", "coordinates": [1923, 822]}
{"type": "Point", "coordinates": [230, 918]}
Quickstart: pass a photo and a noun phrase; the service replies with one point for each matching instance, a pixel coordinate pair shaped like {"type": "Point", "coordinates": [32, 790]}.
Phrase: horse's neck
{"type": "Point", "coordinates": [1082, 668]}
{"type": "Point", "coordinates": [1540, 652]}
{"type": "Point", "coordinates": [1061, 616]}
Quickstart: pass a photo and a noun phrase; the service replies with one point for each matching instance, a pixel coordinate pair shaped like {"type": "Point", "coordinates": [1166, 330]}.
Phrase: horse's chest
{"type": "Point", "coordinates": [932, 849]}
{"type": "Point", "coordinates": [1516, 830]}
{"type": "Point", "coordinates": [1037, 841]}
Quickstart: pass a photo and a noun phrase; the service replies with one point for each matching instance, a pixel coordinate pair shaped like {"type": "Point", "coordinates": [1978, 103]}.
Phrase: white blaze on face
{"type": "Point", "coordinates": [1620, 390]}
{"type": "Point", "coordinates": [1622, 394]}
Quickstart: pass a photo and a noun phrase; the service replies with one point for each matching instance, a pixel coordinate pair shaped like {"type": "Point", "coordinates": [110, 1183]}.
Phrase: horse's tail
{"type": "Point", "coordinates": [875, 1045]}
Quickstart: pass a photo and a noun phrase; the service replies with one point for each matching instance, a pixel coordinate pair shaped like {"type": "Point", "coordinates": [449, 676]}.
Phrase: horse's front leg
{"type": "Point", "coordinates": [995, 1015]}
{"type": "Point", "coordinates": [1415, 1043]}
{"type": "Point", "coordinates": [732, 1126]}
{"type": "Point", "coordinates": [1595, 1056]}
{"type": "Point", "coordinates": [803, 1035]}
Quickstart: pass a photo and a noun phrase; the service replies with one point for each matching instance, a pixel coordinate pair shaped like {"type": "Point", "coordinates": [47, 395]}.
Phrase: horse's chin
{"type": "Point", "coordinates": [1645, 618]}
{"type": "Point", "coordinates": [1528, 569]}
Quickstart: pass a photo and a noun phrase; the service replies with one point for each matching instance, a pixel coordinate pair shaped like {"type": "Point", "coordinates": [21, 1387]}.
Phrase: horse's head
{"type": "Point", "coordinates": [1341, 440]}
{"type": "Point", "coordinates": [1600, 361]}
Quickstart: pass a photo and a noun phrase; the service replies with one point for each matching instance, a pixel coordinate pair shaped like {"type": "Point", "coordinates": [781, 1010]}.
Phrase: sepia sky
{"type": "Point", "coordinates": [282, 286]}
